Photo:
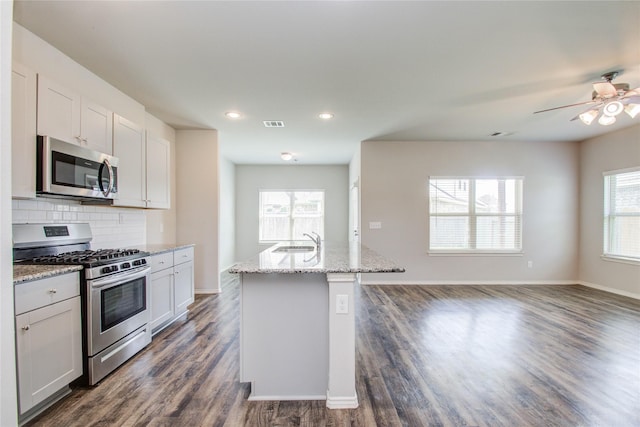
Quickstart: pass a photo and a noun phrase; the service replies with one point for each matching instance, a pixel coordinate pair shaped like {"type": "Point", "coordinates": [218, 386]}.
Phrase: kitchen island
{"type": "Point", "coordinates": [297, 320]}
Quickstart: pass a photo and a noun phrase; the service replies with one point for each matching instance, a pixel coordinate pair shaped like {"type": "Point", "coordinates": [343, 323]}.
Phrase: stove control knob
{"type": "Point", "coordinates": [109, 269]}
{"type": "Point", "coordinates": [125, 265]}
{"type": "Point", "coordinates": [143, 261]}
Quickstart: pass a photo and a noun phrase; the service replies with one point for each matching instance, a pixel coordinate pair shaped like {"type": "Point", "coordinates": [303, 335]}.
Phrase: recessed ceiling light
{"type": "Point", "coordinates": [325, 116]}
{"type": "Point", "coordinates": [232, 114]}
{"type": "Point", "coordinates": [286, 156]}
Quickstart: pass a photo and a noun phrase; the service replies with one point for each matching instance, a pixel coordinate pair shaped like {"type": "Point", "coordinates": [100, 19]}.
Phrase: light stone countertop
{"type": "Point", "coordinates": [156, 249]}
{"type": "Point", "coordinates": [346, 258]}
{"type": "Point", "coordinates": [27, 272]}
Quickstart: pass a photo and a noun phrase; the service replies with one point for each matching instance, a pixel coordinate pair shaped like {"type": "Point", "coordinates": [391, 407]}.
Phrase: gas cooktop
{"type": "Point", "coordinates": [90, 257]}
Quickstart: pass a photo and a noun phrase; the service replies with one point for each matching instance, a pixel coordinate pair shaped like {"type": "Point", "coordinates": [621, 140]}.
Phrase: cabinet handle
{"type": "Point", "coordinates": [53, 291]}
{"type": "Point", "coordinates": [25, 328]}
{"type": "Point", "coordinates": [161, 262]}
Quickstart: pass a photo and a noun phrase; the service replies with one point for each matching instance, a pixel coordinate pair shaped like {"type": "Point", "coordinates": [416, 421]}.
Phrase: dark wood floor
{"type": "Point", "coordinates": [426, 356]}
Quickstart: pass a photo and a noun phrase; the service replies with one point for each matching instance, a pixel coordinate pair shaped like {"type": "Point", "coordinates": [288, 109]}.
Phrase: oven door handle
{"type": "Point", "coordinates": [117, 279]}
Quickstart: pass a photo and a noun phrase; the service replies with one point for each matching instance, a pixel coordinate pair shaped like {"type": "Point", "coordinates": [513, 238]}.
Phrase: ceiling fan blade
{"type": "Point", "coordinates": [630, 99]}
{"type": "Point", "coordinates": [566, 106]}
{"type": "Point", "coordinates": [631, 93]}
{"type": "Point", "coordinates": [605, 89]}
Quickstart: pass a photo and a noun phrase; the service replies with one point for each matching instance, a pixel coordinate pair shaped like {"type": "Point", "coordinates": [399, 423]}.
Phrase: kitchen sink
{"type": "Point", "coordinates": [295, 248]}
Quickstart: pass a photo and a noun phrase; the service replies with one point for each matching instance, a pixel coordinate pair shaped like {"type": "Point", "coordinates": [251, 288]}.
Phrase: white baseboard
{"type": "Point", "coordinates": [207, 291]}
{"type": "Point", "coordinates": [284, 397]}
{"type": "Point", "coordinates": [341, 402]}
{"type": "Point", "coordinates": [501, 283]}
{"type": "Point", "coordinates": [608, 289]}
{"type": "Point", "coordinates": [469, 282]}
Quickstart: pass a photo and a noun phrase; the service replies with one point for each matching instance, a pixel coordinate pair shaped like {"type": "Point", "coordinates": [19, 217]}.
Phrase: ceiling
{"type": "Point", "coordinates": [395, 71]}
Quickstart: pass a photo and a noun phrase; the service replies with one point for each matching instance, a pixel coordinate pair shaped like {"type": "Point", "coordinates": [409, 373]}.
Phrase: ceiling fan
{"type": "Point", "coordinates": [609, 99]}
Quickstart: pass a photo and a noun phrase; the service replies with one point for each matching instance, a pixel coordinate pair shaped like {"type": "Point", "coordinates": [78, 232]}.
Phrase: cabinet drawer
{"type": "Point", "coordinates": [183, 255]}
{"type": "Point", "coordinates": [39, 293]}
{"type": "Point", "coordinates": [161, 261]}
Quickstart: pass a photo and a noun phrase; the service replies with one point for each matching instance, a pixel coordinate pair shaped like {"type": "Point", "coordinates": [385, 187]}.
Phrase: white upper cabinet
{"type": "Point", "coordinates": [158, 172]}
{"type": "Point", "coordinates": [58, 110]}
{"type": "Point", "coordinates": [23, 132]}
{"type": "Point", "coordinates": [129, 148]}
{"type": "Point", "coordinates": [64, 114]}
{"type": "Point", "coordinates": [96, 127]}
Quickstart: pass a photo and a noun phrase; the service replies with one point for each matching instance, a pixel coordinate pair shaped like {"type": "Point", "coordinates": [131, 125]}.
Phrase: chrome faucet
{"type": "Point", "coordinates": [317, 240]}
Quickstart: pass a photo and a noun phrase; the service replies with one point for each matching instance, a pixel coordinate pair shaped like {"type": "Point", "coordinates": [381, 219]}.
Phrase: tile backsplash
{"type": "Point", "coordinates": [111, 227]}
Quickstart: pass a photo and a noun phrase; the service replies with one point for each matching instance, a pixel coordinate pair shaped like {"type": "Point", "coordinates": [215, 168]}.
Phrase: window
{"type": "Point", "coordinates": [622, 214]}
{"type": "Point", "coordinates": [468, 215]}
{"type": "Point", "coordinates": [287, 215]}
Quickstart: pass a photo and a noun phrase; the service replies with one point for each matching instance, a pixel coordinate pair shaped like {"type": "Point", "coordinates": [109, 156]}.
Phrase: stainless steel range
{"type": "Point", "coordinates": [114, 290]}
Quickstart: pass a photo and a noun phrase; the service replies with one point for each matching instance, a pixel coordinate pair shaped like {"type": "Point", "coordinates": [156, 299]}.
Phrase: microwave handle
{"type": "Point", "coordinates": [106, 164]}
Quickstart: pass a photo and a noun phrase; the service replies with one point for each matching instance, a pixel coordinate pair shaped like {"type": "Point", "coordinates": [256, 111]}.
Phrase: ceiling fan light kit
{"type": "Point", "coordinates": [632, 110]}
{"type": "Point", "coordinates": [609, 99]}
{"type": "Point", "coordinates": [605, 120]}
{"type": "Point", "coordinates": [588, 116]}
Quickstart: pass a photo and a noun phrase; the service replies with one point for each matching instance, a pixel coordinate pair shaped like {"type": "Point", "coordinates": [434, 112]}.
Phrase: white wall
{"type": "Point", "coordinates": [250, 179]}
{"type": "Point", "coordinates": [618, 150]}
{"type": "Point", "coordinates": [227, 240]}
{"type": "Point", "coordinates": [197, 202]}
{"type": "Point", "coordinates": [8, 398]}
{"type": "Point", "coordinates": [394, 191]}
{"type": "Point", "coordinates": [161, 223]}
{"type": "Point", "coordinates": [41, 57]}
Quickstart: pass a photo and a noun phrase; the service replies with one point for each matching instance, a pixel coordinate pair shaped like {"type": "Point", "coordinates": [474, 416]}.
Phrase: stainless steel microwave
{"type": "Point", "coordinates": [70, 171]}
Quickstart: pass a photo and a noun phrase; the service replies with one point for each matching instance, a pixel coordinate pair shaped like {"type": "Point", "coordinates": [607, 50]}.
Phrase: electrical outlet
{"type": "Point", "coordinates": [530, 264]}
{"type": "Point", "coordinates": [342, 304]}
{"type": "Point", "coordinates": [375, 225]}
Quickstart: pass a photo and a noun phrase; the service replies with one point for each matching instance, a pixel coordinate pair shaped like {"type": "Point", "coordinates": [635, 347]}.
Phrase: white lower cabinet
{"type": "Point", "coordinates": [183, 279]}
{"type": "Point", "coordinates": [48, 337]}
{"type": "Point", "coordinates": [162, 305]}
{"type": "Point", "coordinates": [172, 286]}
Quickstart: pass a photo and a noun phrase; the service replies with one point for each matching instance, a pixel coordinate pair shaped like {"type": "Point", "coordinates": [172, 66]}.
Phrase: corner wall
{"type": "Point", "coordinates": [8, 397]}
{"type": "Point", "coordinates": [197, 203]}
{"type": "Point", "coordinates": [393, 185]}
{"type": "Point", "coordinates": [613, 151]}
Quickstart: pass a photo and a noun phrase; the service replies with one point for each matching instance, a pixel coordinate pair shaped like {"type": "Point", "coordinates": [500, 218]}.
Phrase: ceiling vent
{"type": "Point", "coordinates": [273, 123]}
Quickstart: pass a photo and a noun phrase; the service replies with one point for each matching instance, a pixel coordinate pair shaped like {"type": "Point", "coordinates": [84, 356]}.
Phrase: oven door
{"type": "Point", "coordinates": [117, 305]}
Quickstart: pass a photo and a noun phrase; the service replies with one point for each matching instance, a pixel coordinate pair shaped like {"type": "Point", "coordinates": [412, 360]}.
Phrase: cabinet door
{"type": "Point", "coordinates": [183, 286]}
{"type": "Point", "coordinates": [96, 127]}
{"type": "Point", "coordinates": [49, 350]}
{"type": "Point", "coordinates": [23, 132]}
{"type": "Point", "coordinates": [129, 148]}
{"type": "Point", "coordinates": [158, 172]}
{"type": "Point", "coordinates": [58, 111]}
{"type": "Point", "coordinates": [162, 303]}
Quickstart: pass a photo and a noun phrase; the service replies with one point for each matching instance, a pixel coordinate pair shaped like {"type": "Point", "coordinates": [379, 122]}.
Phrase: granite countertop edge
{"type": "Point", "coordinates": [157, 249]}
{"type": "Point", "coordinates": [336, 259]}
{"type": "Point", "coordinates": [23, 273]}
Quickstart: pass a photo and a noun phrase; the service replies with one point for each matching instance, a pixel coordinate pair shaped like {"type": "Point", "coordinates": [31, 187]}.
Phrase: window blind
{"type": "Point", "coordinates": [622, 214]}
{"type": "Point", "coordinates": [475, 214]}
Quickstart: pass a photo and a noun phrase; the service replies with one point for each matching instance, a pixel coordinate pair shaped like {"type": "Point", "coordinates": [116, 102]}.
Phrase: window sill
{"type": "Point", "coordinates": [620, 259]}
